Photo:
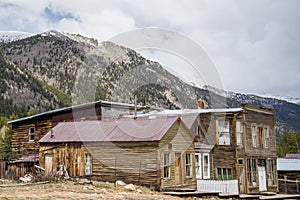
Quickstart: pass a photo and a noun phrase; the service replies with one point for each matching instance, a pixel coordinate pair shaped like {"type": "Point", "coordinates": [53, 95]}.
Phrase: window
{"type": "Point", "coordinates": [260, 137]}
{"type": "Point", "coordinates": [252, 172]}
{"type": "Point", "coordinates": [223, 132]}
{"type": "Point", "coordinates": [254, 128]}
{"type": "Point", "coordinates": [88, 164]}
{"type": "Point", "coordinates": [271, 172]}
{"type": "Point", "coordinates": [239, 132]}
{"type": "Point", "coordinates": [188, 166]}
{"type": "Point", "coordinates": [224, 174]}
{"type": "Point", "coordinates": [266, 136]}
{"type": "Point", "coordinates": [198, 166]}
{"type": "Point", "coordinates": [166, 165]}
{"type": "Point", "coordinates": [31, 134]}
{"type": "Point", "coordinates": [206, 174]}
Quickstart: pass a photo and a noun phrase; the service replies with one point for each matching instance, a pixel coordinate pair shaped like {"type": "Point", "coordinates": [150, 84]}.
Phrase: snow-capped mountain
{"type": "Point", "coordinates": [9, 36]}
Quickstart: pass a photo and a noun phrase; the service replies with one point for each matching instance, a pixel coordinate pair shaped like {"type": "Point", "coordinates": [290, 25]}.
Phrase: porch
{"type": "Point", "coordinates": [219, 186]}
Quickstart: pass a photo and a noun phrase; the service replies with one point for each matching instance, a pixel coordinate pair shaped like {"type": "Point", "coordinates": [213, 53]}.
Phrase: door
{"type": "Point", "coordinates": [262, 178]}
{"type": "Point", "coordinates": [242, 180]}
{"type": "Point", "coordinates": [48, 163]}
{"type": "Point", "coordinates": [177, 168]}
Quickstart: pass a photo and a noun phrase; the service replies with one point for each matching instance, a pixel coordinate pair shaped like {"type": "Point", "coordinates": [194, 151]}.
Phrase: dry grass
{"type": "Point", "coordinates": [71, 190]}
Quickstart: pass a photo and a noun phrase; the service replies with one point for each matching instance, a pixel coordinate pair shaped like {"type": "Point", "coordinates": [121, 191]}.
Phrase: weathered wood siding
{"type": "Point", "coordinates": [20, 143]}
{"type": "Point", "coordinates": [289, 182]}
{"type": "Point", "coordinates": [177, 140]}
{"type": "Point", "coordinates": [69, 154]}
{"type": "Point", "coordinates": [132, 162]}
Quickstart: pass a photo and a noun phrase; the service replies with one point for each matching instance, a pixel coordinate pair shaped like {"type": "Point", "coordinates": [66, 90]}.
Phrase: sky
{"type": "Point", "coordinates": [253, 44]}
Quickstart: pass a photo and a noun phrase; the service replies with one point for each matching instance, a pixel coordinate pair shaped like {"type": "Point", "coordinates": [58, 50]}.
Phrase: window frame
{"type": "Point", "coordinates": [252, 172]}
{"type": "Point", "coordinates": [271, 172]}
{"type": "Point", "coordinates": [31, 134]}
{"type": "Point", "coordinates": [166, 165]}
{"type": "Point", "coordinates": [239, 133]}
{"type": "Point", "coordinates": [208, 166]}
{"type": "Point", "coordinates": [91, 164]}
{"type": "Point", "coordinates": [266, 133]}
{"type": "Point", "coordinates": [223, 132]}
{"type": "Point", "coordinates": [188, 165]}
{"type": "Point", "coordinates": [224, 175]}
{"type": "Point", "coordinates": [198, 165]}
{"type": "Point", "coordinates": [254, 135]}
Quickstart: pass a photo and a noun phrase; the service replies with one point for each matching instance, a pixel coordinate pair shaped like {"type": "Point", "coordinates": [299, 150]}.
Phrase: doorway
{"type": "Point", "coordinates": [262, 179]}
{"type": "Point", "coordinates": [178, 169]}
{"type": "Point", "coordinates": [48, 163]}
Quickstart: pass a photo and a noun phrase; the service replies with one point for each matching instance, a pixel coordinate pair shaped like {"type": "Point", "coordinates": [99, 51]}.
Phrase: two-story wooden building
{"type": "Point", "coordinates": [234, 144]}
{"type": "Point", "coordinates": [27, 131]}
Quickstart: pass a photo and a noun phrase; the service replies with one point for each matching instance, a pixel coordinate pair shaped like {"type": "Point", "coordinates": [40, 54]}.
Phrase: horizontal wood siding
{"type": "Point", "coordinates": [181, 142]}
{"type": "Point", "coordinates": [20, 143]}
{"type": "Point", "coordinates": [132, 162]}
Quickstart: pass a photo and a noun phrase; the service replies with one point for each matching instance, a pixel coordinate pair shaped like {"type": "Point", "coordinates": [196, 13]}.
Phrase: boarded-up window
{"type": "Point", "coordinates": [223, 132]}
{"type": "Point", "coordinates": [253, 130]}
{"type": "Point", "coordinates": [224, 174]}
{"type": "Point", "coordinates": [188, 165]}
{"type": "Point", "coordinates": [31, 134]}
{"type": "Point", "coordinates": [88, 164]}
{"type": "Point", "coordinates": [239, 132]}
{"type": "Point", "coordinates": [166, 165]}
{"type": "Point", "coordinates": [266, 136]}
{"type": "Point", "coordinates": [48, 163]}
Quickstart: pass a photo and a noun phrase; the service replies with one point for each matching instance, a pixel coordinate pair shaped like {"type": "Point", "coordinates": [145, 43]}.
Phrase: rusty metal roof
{"type": "Point", "coordinates": [123, 130]}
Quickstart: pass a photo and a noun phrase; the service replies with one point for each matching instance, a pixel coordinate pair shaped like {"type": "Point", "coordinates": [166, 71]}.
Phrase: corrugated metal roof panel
{"type": "Point", "coordinates": [284, 164]}
{"type": "Point", "coordinates": [140, 129]}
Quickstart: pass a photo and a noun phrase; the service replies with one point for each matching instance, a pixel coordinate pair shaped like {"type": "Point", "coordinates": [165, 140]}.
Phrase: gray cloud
{"type": "Point", "coordinates": [255, 44]}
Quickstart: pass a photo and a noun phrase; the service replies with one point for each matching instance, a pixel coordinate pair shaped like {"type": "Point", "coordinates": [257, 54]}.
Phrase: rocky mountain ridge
{"type": "Point", "coordinates": [54, 69]}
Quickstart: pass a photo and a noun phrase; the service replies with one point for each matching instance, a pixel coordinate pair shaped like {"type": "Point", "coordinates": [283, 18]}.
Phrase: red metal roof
{"type": "Point", "coordinates": [140, 129]}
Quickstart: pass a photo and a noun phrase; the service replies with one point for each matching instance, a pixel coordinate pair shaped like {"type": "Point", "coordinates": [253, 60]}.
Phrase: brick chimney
{"type": "Point", "coordinates": [200, 104]}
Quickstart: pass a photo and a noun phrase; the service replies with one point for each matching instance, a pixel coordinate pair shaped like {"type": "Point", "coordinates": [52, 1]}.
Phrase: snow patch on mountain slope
{"type": "Point", "coordinates": [9, 36]}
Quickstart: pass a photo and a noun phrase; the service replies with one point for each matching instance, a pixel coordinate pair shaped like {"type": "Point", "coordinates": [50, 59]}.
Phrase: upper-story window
{"type": "Point", "coordinates": [253, 130]}
{"type": "Point", "coordinates": [223, 132]}
{"type": "Point", "coordinates": [266, 136]}
{"type": "Point", "coordinates": [239, 132]}
{"type": "Point", "coordinates": [31, 134]}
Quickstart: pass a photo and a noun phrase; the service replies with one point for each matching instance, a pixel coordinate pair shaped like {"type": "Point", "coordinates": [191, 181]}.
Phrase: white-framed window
{"type": "Point", "coordinates": [198, 166]}
{"type": "Point", "coordinates": [266, 136]}
{"type": "Point", "coordinates": [188, 165]}
{"type": "Point", "coordinates": [206, 166]}
{"type": "Point", "coordinates": [88, 164]}
{"type": "Point", "coordinates": [239, 132]}
{"type": "Point", "coordinates": [166, 165]}
{"type": "Point", "coordinates": [31, 134]}
{"type": "Point", "coordinates": [223, 132]}
{"type": "Point", "coordinates": [254, 130]}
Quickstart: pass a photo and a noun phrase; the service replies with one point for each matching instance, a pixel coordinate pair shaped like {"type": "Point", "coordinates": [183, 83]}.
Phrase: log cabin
{"type": "Point", "coordinates": [27, 131]}
{"type": "Point", "coordinates": [157, 152]}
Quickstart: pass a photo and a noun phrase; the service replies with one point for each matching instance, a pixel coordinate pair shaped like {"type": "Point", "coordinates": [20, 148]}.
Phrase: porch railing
{"type": "Point", "coordinates": [230, 186]}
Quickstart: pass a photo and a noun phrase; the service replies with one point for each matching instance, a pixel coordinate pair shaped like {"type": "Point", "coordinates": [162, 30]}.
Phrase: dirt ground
{"type": "Point", "coordinates": [71, 190]}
